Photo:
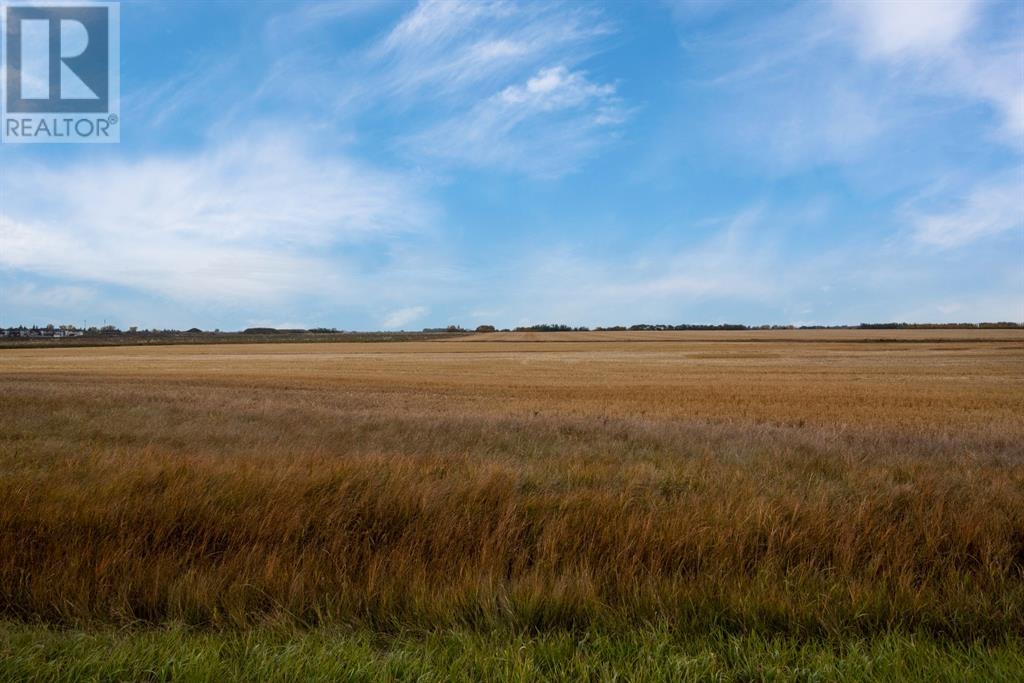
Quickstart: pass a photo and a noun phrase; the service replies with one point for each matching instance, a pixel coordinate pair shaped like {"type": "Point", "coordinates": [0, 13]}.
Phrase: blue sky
{"type": "Point", "coordinates": [397, 165]}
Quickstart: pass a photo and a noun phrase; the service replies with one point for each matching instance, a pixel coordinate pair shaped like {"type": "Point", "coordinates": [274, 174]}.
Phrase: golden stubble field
{"type": "Point", "coordinates": [798, 481]}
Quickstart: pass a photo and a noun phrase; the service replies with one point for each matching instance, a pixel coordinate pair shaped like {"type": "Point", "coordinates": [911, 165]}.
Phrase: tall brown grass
{"type": "Point", "coordinates": [763, 486]}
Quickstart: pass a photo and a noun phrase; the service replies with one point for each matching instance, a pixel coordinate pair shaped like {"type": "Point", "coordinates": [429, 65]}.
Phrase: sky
{"type": "Point", "coordinates": [394, 165]}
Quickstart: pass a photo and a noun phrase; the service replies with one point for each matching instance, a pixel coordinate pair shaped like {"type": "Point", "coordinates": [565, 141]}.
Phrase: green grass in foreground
{"type": "Point", "coordinates": [177, 653]}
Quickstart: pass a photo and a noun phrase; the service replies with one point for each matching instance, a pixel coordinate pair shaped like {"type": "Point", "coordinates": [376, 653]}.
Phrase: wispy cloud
{"type": "Point", "coordinates": [446, 47]}
{"type": "Point", "coordinates": [901, 28]}
{"type": "Point", "coordinates": [194, 86]}
{"type": "Point", "coordinates": [935, 45]}
{"type": "Point", "coordinates": [248, 223]}
{"type": "Point", "coordinates": [651, 282]}
{"type": "Point", "coordinates": [990, 208]}
{"type": "Point", "coordinates": [836, 83]}
{"type": "Point", "coordinates": [742, 272]}
{"type": "Point", "coordinates": [543, 127]}
{"type": "Point", "coordinates": [292, 175]}
{"type": "Point", "coordinates": [488, 84]}
{"type": "Point", "coordinates": [463, 81]}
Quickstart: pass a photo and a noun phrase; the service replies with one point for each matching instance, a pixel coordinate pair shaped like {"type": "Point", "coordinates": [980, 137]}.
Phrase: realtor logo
{"type": "Point", "coordinates": [61, 72]}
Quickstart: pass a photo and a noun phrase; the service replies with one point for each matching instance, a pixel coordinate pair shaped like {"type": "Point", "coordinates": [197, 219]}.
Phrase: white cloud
{"type": "Point", "coordinates": [891, 28]}
{"type": "Point", "coordinates": [990, 208]}
{"type": "Point", "coordinates": [555, 88]}
{"type": "Point", "coordinates": [855, 83]}
{"type": "Point", "coordinates": [448, 47]}
{"type": "Point", "coordinates": [400, 318]}
{"type": "Point", "coordinates": [785, 97]}
{"type": "Point", "coordinates": [187, 269]}
{"type": "Point", "coordinates": [433, 22]}
{"type": "Point", "coordinates": [993, 74]}
{"type": "Point", "coordinates": [543, 127]}
{"type": "Point", "coordinates": [244, 224]}
{"type": "Point", "coordinates": [935, 43]}
{"type": "Point", "coordinates": [497, 84]}
{"type": "Point", "coordinates": [451, 68]}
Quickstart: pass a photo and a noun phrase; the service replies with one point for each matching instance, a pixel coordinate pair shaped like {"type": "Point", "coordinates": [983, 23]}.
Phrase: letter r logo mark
{"type": "Point", "coordinates": [57, 60]}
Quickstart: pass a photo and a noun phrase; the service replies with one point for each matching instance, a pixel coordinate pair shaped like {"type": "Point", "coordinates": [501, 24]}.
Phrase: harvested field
{"type": "Point", "coordinates": [801, 485]}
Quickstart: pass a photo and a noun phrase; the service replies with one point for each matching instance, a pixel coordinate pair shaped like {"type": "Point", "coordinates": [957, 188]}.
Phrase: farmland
{"type": "Point", "coordinates": [665, 504]}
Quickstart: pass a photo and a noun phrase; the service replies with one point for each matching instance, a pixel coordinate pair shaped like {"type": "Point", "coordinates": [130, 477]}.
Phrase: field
{"type": "Point", "coordinates": [642, 506]}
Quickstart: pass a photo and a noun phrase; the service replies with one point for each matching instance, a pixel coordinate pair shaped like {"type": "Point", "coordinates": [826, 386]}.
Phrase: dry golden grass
{"type": "Point", "coordinates": [794, 482]}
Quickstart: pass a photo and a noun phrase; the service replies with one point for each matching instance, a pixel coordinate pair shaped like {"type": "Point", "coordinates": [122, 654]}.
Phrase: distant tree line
{"type": "Point", "coordinates": [551, 327]}
{"type": "Point", "coordinates": [940, 326]}
{"type": "Point", "coordinates": [112, 331]}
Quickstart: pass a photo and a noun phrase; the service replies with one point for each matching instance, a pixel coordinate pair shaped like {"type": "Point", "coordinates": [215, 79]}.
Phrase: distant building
{"type": "Point", "coordinates": [40, 332]}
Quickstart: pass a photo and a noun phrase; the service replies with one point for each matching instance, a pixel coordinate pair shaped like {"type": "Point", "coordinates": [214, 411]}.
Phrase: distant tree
{"type": "Point", "coordinates": [485, 328]}
{"type": "Point", "coordinates": [550, 327]}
